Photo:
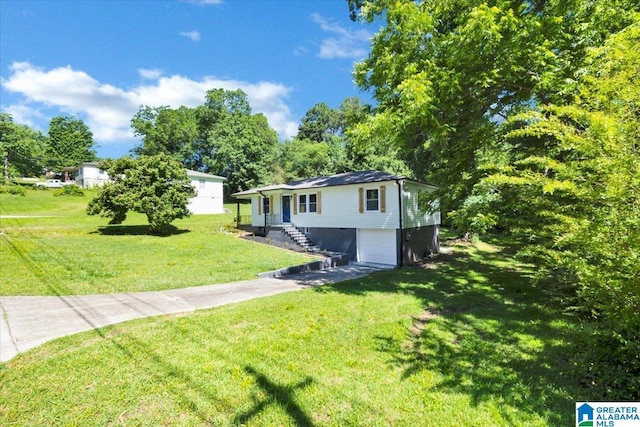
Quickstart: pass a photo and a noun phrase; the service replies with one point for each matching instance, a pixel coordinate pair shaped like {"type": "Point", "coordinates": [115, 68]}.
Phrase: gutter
{"type": "Point", "coordinates": [400, 217]}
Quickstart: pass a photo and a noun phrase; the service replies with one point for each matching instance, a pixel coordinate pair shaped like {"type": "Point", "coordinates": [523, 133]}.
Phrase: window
{"type": "Point", "coordinates": [309, 203]}
{"type": "Point", "coordinates": [302, 203]}
{"type": "Point", "coordinates": [372, 200]}
{"type": "Point", "coordinates": [265, 205]}
{"type": "Point", "coordinates": [313, 203]}
{"type": "Point", "coordinates": [201, 183]}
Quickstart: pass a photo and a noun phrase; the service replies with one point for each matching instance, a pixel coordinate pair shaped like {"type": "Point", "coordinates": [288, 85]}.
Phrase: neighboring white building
{"type": "Point", "coordinates": [372, 216]}
{"type": "Point", "coordinates": [209, 192]}
{"type": "Point", "coordinates": [89, 175]}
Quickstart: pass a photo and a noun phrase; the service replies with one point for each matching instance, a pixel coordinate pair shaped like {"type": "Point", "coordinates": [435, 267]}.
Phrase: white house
{"type": "Point", "coordinates": [371, 216]}
{"type": "Point", "coordinates": [209, 192]}
{"type": "Point", "coordinates": [88, 175]}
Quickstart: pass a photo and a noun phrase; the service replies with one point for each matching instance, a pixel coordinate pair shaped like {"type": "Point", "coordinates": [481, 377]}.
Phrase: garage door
{"type": "Point", "coordinates": [377, 246]}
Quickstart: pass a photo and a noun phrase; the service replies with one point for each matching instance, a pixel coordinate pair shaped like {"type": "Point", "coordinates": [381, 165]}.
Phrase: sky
{"type": "Point", "coordinates": [100, 60]}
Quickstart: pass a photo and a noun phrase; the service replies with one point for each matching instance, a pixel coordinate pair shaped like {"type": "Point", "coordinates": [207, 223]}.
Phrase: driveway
{"type": "Point", "coordinates": [27, 322]}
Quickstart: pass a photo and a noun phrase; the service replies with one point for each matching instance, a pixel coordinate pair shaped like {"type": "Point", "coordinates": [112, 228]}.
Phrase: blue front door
{"type": "Point", "coordinates": [286, 208]}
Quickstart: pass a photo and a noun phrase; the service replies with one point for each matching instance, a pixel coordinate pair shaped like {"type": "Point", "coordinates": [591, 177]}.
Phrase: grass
{"type": "Point", "coordinates": [59, 250]}
{"type": "Point", "coordinates": [466, 340]}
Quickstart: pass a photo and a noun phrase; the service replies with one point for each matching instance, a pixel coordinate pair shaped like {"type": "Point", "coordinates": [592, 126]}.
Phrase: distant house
{"type": "Point", "coordinates": [209, 193]}
{"type": "Point", "coordinates": [87, 175]}
{"type": "Point", "coordinates": [372, 216]}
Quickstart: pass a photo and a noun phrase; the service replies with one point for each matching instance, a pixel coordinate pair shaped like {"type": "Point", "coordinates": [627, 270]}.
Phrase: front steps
{"type": "Point", "coordinates": [299, 237]}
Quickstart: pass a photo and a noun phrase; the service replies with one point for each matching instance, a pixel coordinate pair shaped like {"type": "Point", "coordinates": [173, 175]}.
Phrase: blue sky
{"type": "Point", "coordinates": [100, 60]}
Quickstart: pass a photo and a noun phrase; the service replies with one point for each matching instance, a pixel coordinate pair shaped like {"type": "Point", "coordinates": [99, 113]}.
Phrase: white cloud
{"type": "Point", "coordinates": [193, 35]}
{"type": "Point", "coordinates": [344, 43]}
{"type": "Point", "coordinates": [150, 74]}
{"type": "Point", "coordinates": [107, 109]}
{"type": "Point", "coordinates": [24, 115]}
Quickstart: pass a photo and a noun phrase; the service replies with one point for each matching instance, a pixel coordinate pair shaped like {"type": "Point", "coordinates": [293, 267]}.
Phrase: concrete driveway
{"type": "Point", "coordinates": [27, 322]}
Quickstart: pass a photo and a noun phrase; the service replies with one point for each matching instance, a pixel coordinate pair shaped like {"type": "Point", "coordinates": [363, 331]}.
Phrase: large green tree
{"type": "Point", "coordinates": [571, 192]}
{"type": "Point", "coordinates": [222, 137]}
{"type": "Point", "coordinates": [235, 143]}
{"type": "Point", "coordinates": [22, 149]}
{"type": "Point", "coordinates": [70, 143]}
{"type": "Point", "coordinates": [445, 73]}
{"type": "Point", "coordinates": [157, 186]}
{"type": "Point", "coordinates": [166, 130]}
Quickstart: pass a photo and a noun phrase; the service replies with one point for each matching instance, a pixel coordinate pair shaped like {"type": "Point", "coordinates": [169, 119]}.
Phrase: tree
{"type": "Point", "coordinates": [22, 149]}
{"type": "Point", "coordinates": [156, 186]}
{"type": "Point", "coordinates": [168, 131]}
{"type": "Point", "coordinates": [571, 192]}
{"type": "Point", "coordinates": [447, 73]}
{"type": "Point", "coordinates": [236, 144]}
{"type": "Point", "coordinates": [70, 143]}
{"type": "Point", "coordinates": [321, 123]}
{"type": "Point", "coordinates": [222, 137]}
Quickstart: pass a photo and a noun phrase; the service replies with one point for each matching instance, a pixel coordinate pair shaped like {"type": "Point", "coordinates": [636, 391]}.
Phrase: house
{"type": "Point", "coordinates": [372, 216]}
{"type": "Point", "coordinates": [209, 192]}
{"type": "Point", "coordinates": [86, 175]}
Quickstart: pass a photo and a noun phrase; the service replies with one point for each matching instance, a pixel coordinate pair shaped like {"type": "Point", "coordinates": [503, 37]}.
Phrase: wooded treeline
{"type": "Point", "coordinates": [28, 152]}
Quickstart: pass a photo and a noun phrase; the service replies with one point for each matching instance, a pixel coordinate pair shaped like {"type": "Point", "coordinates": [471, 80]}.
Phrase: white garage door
{"type": "Point", "coordinates": [377, 246]}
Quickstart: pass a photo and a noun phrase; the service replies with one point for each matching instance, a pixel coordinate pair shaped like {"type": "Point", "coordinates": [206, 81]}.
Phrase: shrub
{"type": "Point", "coordinates": [16, 190]}
{"type": "Point", "coordinates": [70, 190]}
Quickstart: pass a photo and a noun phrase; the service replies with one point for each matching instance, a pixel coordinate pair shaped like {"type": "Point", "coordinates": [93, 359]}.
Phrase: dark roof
{"type": "Point", "coordinates": [361, 177]}
{"type": "Point", "coordinates": [346, 178]}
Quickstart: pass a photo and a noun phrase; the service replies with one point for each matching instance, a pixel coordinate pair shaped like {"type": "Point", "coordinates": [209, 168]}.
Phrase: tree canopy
{"type": "Point", "coordinates": [222, 137]}
{"type": "Point", "coordinates": [23, 148]}
{"type": "Point", "coordinates": [27, 152]}
{"type": "Point", "coordinates": [157, 186]}
{"type": "Point", "coordinates": [70, 143]}
{"type": "Point", "coordinates": [445, 74]}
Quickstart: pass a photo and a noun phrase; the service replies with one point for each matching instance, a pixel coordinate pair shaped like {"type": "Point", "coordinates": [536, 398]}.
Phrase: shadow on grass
{"type": "Point", "coordinates": [139, 230]}
{"type": "Point", "coordinates": [280, 395]}
{"type": "Point", "coordinates": [486, 329]}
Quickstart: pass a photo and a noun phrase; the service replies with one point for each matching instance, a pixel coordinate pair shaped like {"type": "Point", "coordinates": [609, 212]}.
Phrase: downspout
{"type": "Point", "coordinates": [400, 216]}
{"type": "Point", "coordinates": [264, 213]}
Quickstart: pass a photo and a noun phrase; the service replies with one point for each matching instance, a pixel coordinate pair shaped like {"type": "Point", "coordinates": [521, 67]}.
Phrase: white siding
{"type": "Point", "coordinates": [209, 196]}
{"type": "Point", "coordinates": [89, 175]}
{"type": "Point", "coordinates": [257, 215]}
{"type": "Point", "coordinates": [413, 215]}
{"type": "Point", "coordinates": [340, 208]}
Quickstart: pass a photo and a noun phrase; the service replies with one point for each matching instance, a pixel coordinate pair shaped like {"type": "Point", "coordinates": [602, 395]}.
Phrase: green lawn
{"type": "Point", "coordinates": [467, 340]}
{"type": "Point", "coordinates": [67, 252]}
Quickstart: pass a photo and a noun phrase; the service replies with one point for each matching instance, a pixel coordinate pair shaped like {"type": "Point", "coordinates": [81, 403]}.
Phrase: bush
{"type": "Point", "coordinates": [16, 190]}
{"type": "Point", "coordinates": [70, 190]}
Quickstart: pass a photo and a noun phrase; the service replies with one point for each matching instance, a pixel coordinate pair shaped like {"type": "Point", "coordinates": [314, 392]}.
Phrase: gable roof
{"type": "Point", "coordinates": [360, 177]}
{"type": "Point", "coordinates": [196, 174]}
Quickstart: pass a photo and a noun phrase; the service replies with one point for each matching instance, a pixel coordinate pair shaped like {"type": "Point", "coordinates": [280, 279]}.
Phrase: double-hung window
{"type": "Point", "coordinates": [302, 203]}
{"type": "Point", "coordinates": [265, 205]}
{"type": "Point", "coordinates": [308, 203]}
{"type": "Point", "coordinates": [313, 203]}
{"type": "Point", "coordinates": [373, 200]}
